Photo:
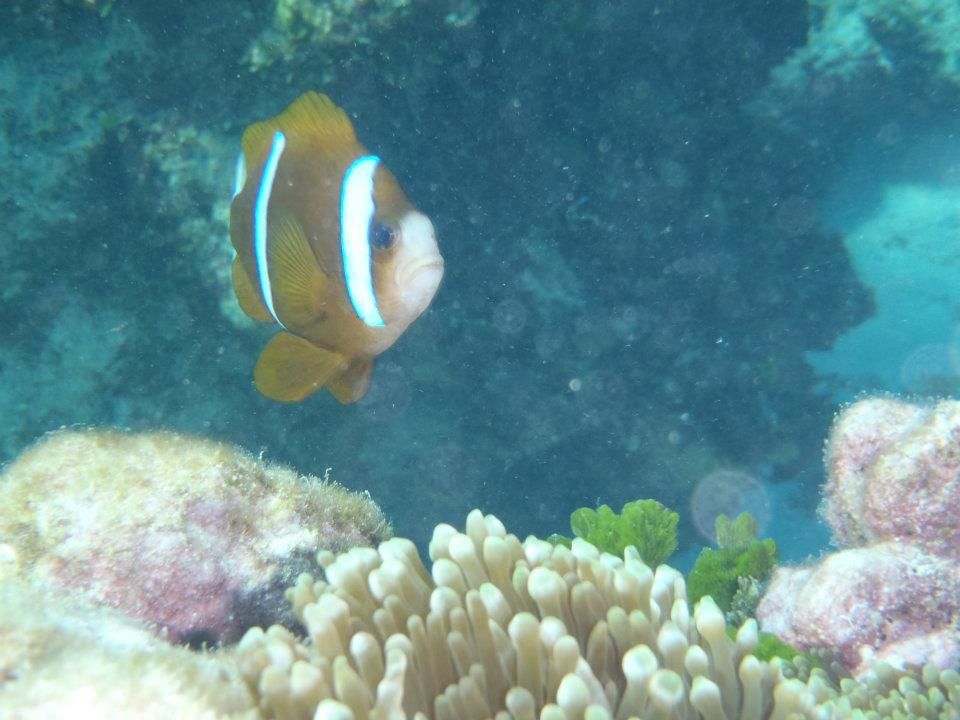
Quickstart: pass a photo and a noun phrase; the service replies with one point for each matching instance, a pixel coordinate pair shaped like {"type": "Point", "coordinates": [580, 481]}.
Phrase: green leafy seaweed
{"type": "Point", "coordinates": [645, 524]}
{"type": "Point", "coordinates": [716, 572]}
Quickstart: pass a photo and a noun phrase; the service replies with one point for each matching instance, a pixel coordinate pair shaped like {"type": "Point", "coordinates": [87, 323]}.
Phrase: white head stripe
{"type": "Point", "coordinates": [260, 219]}
{"type": "Point", "coordinates": [356, 211]}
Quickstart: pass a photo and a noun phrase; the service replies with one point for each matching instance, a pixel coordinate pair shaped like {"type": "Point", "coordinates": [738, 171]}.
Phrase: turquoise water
{"type": "Point", "coordinates": [676, 236]}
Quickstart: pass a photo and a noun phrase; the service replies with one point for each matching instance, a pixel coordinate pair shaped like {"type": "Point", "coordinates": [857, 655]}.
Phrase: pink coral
{"type": "Point", "coordinates": [894, 473]}
{"type": "Point", "coordinates": [197, 538]}
{"type": "Point", "coordinates": [892, 499]}
{"type": "Point", "coordinates": [890, 600]}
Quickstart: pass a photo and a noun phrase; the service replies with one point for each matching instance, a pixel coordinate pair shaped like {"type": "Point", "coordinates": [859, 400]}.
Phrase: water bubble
{"type": "Point", "coordinates": [728, 492]}
{"type": "Point", "coordinates": [510, 316]}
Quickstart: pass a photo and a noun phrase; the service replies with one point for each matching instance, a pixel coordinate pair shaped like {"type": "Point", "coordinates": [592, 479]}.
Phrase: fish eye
{"type": "Point", "coordinates": [381, 236]}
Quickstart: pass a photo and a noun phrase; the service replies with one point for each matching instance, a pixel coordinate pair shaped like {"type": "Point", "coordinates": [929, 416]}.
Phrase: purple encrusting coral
{"type": "Point", "coordinates": [892, 499]}
{"type": "Point", "coordinates": [197, 538]}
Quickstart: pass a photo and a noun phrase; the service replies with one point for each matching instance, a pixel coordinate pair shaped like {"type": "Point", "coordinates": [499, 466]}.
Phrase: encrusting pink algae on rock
{"type": "Point", "coordinates": [61, 657]}
{"type": "Point", "coordinates": [194, 537]}
{"type": "Point", "coordinates": [892, 499]}
{"type": "Point", "coordinates": [894, 474]}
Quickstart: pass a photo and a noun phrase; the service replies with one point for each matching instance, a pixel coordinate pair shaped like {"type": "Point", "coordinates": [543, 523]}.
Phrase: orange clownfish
{"type": "Point", "coordinates": [329, 248]}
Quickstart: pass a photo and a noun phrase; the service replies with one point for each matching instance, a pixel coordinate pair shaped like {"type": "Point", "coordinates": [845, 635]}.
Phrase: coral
{"type": "Point", "coordinates": [321, 23]}
{"type": "Point", "coordinates": [195, 537]}
{"type": "Point", "coordinates": [891, 498]}
{"type": "Point", "coordinates": [889, 601]}
{"type": "Point", "coordinates": [894, 474]}
{"type": "Point", "coordinates": [61, 657]}
{"type": "Point", "coordinates": [645, 524]}
{"type": "Point", "coordinates": [853, 44]}
{"type": "Point", "coordinates": [508, 628]}
{"type": "Point", "coordinates": [716, 572]}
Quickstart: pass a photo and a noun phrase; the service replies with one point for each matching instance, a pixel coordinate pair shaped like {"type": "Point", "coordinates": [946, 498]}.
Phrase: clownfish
{"type": "Point", "coordinates": [328, 248]}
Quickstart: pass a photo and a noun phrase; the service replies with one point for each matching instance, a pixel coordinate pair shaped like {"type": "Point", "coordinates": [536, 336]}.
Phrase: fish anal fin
{"type": "Point", "coordinates": [299, 283]}
{"type": "Point", "coordinates": [353, 384]}
{"type": "Point", "coordinates": [291, 368]}
{"type": "Point", "coordinates": [248, 295]}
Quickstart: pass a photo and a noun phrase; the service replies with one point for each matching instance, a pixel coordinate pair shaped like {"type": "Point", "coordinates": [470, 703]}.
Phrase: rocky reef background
{"type": "Point", "coordinates": [626, 196]}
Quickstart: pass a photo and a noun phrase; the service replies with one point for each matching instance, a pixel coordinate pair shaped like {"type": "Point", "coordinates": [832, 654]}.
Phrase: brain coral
{"type": "Point", "coordinates": [192, 536]}
{"type": "Point", "coordinates": [508, 629]}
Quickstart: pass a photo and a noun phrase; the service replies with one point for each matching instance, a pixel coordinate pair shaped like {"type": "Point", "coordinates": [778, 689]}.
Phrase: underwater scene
{"type": "Point", "coordinates": [442, 359]}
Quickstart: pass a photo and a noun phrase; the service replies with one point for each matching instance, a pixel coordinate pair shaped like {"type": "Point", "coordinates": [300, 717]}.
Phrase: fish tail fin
{"type": "Point", "coordinates": [291, 368]}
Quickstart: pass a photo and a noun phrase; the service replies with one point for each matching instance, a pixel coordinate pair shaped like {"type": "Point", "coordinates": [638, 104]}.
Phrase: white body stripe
{"type": "Point", "coordinates": [260, 219]}
{"type": "Point", "coordinates": [239, 174]}
{"type": "Point", "coordinates": [356, 211]}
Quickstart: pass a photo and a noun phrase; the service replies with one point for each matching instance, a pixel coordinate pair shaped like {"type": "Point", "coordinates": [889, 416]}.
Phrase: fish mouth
{"type": "Point", "coordinates": [409, 272]}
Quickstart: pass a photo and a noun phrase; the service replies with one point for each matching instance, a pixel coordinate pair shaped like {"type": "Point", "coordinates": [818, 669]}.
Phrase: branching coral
{"type": "Point", "coordinates": [508, 629]}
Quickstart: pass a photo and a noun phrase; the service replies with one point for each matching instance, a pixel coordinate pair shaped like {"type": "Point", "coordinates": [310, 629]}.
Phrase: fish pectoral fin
{"type": "Point", "coordinates": [249, 296]}
{"type": "Point", "coordinates": [291, 368]}
{"type": "Point", "coordinates": [299, 283]}
{"type": "Point", "coordinates": [353, 384]}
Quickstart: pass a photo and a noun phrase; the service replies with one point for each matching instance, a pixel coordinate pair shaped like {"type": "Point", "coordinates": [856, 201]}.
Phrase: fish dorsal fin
{"type": "Point", "coordinates": [299, 284]}
{"type": "Point", "coordinates": [315, 116]}
{"type": "Point", "coordinates": [248, 295]}
{"type": "Point", "coordinates": [312, 118]}
{"type": "Point", "coordinates": [291, 368]}
{"type": "Point", "coordinates": [353, 384]}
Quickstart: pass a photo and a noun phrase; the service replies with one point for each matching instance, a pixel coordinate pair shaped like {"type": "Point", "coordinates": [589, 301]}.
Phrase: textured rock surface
{"type": "Point", "coordinates": [195, 537]}
{"type": "Point", "coordinates": [894, 474]}
{"type": "Point", "coordinates": [61, 657]}
{"type": "Point", "coordinates": [892, 500]}
{"type": "Point", "coordinates": [891, 601]}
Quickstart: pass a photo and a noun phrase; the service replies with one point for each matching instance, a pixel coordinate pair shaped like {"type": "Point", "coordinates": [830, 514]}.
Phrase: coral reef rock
{"type": "Point", "coordinates": [194, 537]}
{"type": "Point", "coordinates": [890, 601]}
{"type": "Point", "coordinates": [61, 657]}
{"type": "Point", "coordinates": [509, 629]}
{"type": "Point", "coordinates": [894, 474]}
{"type": "Point", "coordinates": [892, 498]}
